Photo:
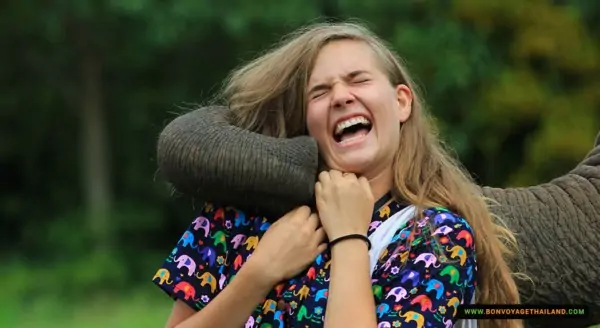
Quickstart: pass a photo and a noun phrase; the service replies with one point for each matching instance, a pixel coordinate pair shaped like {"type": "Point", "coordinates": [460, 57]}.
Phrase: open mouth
{"type": "Point", "coordinates": [351, 129]}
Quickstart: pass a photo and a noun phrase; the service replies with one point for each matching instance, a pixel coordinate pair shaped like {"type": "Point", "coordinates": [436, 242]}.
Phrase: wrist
{"type": "Point", "coordinates": [340, 234]}
{"type": "Point", "coordinates": [352, 244]}
{"type": "Point", "coordinates": [260, 272]}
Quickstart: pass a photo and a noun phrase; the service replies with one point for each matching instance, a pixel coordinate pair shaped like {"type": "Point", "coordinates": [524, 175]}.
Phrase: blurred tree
{"type": "Point", "coordinates": [548, 83]}
{"type": "Point", "coordinates": [108, 75]}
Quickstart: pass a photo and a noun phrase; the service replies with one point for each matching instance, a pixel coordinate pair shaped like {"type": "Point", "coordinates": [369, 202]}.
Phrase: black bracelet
{"type": "Point", "coordinates": [353, 236]}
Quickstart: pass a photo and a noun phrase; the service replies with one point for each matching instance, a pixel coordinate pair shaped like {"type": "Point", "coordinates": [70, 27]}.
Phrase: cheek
{"type": "Point", "coordinates": [316, 123]}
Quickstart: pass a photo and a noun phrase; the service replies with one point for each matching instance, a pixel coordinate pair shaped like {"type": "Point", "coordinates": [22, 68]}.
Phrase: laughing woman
{"type": "Point", "coordinates": [399, 235]}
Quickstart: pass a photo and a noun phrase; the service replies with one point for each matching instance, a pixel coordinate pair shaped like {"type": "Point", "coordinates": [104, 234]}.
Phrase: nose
{"type": "Point", "coordinates": [341, 96]}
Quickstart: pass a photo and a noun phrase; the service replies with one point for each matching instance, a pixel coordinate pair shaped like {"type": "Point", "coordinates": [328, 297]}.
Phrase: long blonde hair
{"type": "Point", "coordinates": [267, 96]}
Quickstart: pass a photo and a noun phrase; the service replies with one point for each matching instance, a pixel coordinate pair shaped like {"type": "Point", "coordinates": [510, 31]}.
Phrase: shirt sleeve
{"type": "Point", "coordinates": [423, 284]}
{"type": "Point", "coordinates": [196, 269]}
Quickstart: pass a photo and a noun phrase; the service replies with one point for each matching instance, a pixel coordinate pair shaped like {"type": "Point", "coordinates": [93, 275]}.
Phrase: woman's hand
{"type": "Point", "coordinates": [345, 203]}
{"type": "Point", "coordinates": [289, 245]}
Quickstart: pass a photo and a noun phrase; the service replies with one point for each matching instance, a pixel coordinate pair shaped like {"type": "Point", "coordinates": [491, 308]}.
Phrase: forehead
{"type": "Point", "coordinates": [342, 57]}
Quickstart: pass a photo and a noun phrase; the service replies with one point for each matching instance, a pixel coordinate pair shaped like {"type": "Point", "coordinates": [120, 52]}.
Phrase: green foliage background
{"type": "Point", "coordinates": [86, 86]}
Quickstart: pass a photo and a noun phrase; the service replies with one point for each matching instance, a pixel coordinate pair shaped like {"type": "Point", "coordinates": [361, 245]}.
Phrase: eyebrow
{"type": "Point", "coordinates": [349, 76]}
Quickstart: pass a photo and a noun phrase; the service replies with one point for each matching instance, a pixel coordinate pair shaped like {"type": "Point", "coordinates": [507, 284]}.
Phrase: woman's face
{"type": "Point", "coordinates": [353, 111]}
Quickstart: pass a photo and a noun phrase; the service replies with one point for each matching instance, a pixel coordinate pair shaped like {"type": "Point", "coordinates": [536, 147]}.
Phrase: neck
{"type": "Point", "coordinates": [381, 183]}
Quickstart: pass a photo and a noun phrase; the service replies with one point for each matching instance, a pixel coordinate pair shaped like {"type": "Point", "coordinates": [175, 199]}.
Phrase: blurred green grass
{"type": "Point", "coordinates": [131, 309]}
{"type": "Point", "coordinates": [88, 292]}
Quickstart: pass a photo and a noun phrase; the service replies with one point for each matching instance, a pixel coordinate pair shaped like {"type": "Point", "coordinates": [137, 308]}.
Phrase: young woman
{"type": "Point", "coordinates": [340, 84]}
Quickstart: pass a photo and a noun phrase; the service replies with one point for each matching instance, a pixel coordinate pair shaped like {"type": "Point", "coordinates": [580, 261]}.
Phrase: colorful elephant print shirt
{"type": "Point", "coordinates": [428, 269]}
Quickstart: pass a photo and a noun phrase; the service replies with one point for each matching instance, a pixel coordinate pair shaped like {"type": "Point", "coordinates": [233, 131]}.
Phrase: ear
{"type": "Point", "coordinates": [404, 97]}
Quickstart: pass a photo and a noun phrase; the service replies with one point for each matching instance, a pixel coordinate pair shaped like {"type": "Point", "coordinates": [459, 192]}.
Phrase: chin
{"type": "Point", "coordinates": [354, 164]}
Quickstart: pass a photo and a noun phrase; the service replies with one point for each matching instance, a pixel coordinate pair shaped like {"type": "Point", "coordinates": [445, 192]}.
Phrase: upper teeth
{"type": "Point", "coordinates": [350, 122]}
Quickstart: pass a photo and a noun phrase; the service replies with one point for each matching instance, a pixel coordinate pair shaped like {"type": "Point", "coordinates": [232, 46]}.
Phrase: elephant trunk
{"type": "Point", "coordinates": [202, 155]}
{"type": "Point", "coordinates": [553, 222]}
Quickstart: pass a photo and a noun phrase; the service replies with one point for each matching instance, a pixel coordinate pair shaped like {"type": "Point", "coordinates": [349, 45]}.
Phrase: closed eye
{"type": "Point", "coordinates": [318, 94]}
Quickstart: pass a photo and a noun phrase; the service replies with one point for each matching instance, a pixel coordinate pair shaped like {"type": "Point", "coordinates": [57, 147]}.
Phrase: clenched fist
{"type": "Point", "coordinates": [345, 203]}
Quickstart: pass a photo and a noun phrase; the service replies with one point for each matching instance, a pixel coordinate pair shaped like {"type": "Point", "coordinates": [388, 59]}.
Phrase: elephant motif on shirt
{"type": "Point", "coordinates": [222, 281]}
{"type": "Point", "coordinates": [436, 285]}
{"type": "Point", "coordinates": [384, 212]}
{"type": "Point", "coordinates": [466, 235]}
{"type": "Point", "coordinates": [443, 216]}
{"type": "Point", "coordinates": [404, 257]}
{"type": "Point", "coordinates": [377, 291]}
{"type": "Point", "coordinates": [187, 239]}
{"type": "Point", "coordinates": [398, 293]}
{"type": "Point", "coordinates": [278, 289]}
{"type": "Point", "coordinates": [458, 251]}
{"type": "Point", "coordinates": [454, 302]}
{"type": "Point", "coordinates": [237, 240]}
{"type": "Point", "coordinates": [264, 226]}
{"type": "Point", "coordinates": [451, 271]}
{"type": "Point", "coordinates": [303, 292]}
{"type": "Point", "coordinates": [208, 254]}
{"type": "Point", "coordinates": [164, 275]}
{"type": "Point", "coordinates": [269, 306]}
{"type": "Point", "coordinates": [240, 219]}
{"type": "Point", "coordinates": [411, 275]}
{"type": "Point", "coordinates": [425, 302]}
{"type": "Point", "coordinates": [219, 214]}
{"type": "Point", "coordinates": [278, 317]}
{"type": "Point", "coordinates": [410, 316]}
{"type": "Point", "coordinates": [384, 324]}
{"type": "Point", "coordinates": [321, 294]}
{"type": "Point", "coordinates": [208, 279]}
{"type": "Point", "coordinates": [382, 309]}
{"type": "Point", "coordinates": [443, 230]}
{"type": "Point", "coordinates": [173, 254]}
{"type": "Point", "coordinates": [202, 223]}
{"type": "Point", "coordinates": [188, 290]}
{"type": "Point", "coordinates": [219, 239]}
{"type": "Point", "coordinates": [448, 323]}
{"type": "Point", "coordinates": [186, 261]}
{"type": "Point", "coordinates": [374, 225]}
{"type": "Point", "coordinates": [429, 259]}
{"type": "Point", "coordinates": [237, 263]}
{"type": "Point", "coordinates": [383, 254]}
{"type": "Point", "coordinates": [402, 236]}
{"type": "Point", "coordinates": [251, 242]}
{"type": "Point", "coordinates": [303, 313]}
{"type": "Point", "coordinates": [469, 277]}
{"type": "Point", "coordinates": [250, 322]}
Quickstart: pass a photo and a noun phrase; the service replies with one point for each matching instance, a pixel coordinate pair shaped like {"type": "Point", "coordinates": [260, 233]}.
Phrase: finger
{"type": "Point", "coordinates": [324, 177]}
{"type": "Point", "coordinates": [318, 189]}
{"type": "Point", "coordinates": [289, 214]}
{"type": "Point", "coordinates": [364, 183]}
{"type": "Point", "coordinates": [349, 176]}
{"type": "Point", "coordinates": [335, 175]}
{"type": "Point", "coordinates": [313, 221]}
{"type": "Point", "coordinates": [321, 248]}
{"type": "Point", "coordinates": [302, 213]}
{"type": "Point", "coordinates": [319, 236]}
